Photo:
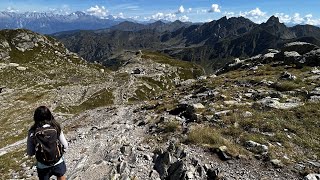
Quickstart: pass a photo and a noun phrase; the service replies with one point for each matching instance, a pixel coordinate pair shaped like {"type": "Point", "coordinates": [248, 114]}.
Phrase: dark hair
{"type": "Point", "coordinates": [42, 116]}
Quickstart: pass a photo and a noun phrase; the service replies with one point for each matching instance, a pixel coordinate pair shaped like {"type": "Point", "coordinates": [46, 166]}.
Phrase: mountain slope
{"type": "Point", "coordinates": [211, 44]}
{"type": "Point", "coordinates": [155, 117]}
{"type": "Point", "coordinates": [38, 70]}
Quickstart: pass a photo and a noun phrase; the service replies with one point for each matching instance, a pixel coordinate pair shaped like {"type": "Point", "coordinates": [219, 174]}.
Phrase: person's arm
{"type": "Point", "coordinates": [30, 144]}
{"type": "Point", "coordinates": [63, 140]}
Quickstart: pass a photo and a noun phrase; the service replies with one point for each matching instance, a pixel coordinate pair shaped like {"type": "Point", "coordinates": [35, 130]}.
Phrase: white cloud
{"type": "Point", "coordinates": [284, 18]}
{"type": "Point", "coordinates": [180, 10]}
{"type": "Point", "coordinates": [189, 10]}
{"type": "Point", "coordinates": [184, 18]}
{"type": "Point", "coordinates": [11, 9]}
{"type": "Point", "coordinates": [255, 13]}
{"type": "Point", "coordinates": [215, 8]}
{"type": "Point", "coordinates": [97, 11]}
{"type": "Point", "coordinates": [168, 17]}
{"type": "Point", "coordinates": [308, 20]}
{"type": "Point", "coordinates": [121, 15]}
{"type": "Point", "coordinates": [229, 14]}
{"type": "Point", "coordinates": [296, 18]}
{"type": "Point", "coordinates": [309, 16]}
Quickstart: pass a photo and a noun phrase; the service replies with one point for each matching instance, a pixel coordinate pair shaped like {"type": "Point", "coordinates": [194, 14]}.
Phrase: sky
{"type": "Point", "coordinates": [288, 11]}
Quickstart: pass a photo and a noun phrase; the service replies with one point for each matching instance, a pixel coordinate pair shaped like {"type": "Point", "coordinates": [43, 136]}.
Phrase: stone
{"type": "Point", "coordinates": [276, 163]}
{"type": "Point", "coordinates": [315, 70]}
{"type": "Point", "coordinates": [177, 170]}
{"type": "Point", "coordinates": [269, 55]}
{"type": "Point", "coordinates": [231, 102]}
{"type": "Point", "coordinates": [126, 150]}
{"type": "Point", "coordinates": [214, 174]}
{"type": "Point", "coordinates": [122, 167]}
{"type": "Point", "coordinates": [274, 103]}
{"type": "Point", "coordinates": [13, 64]}
{"type": "Point", "coordinates": [312, 177]}
{"type": "Point", "coordinates": [198, 106]}
{"type": "Point", "coordinates": [20, 68]}
{"type": "Point", "coordinates": [288, 57]}
{"type": "Point", "coordinates": [314, 99]}
{"type": "Point", "coordinates": [222, 113]}
{"type": "Point", "coordinates": [315, 91]}
{"type": "Point", "coordinates": [312, 58]}
{"type": "Point", "coordinates": [314, 163]}
{"type": "Point", "coordinates": [136, 71]}
{"type": "Point", "coordinates": [287, 76]}
{"type": "Point", "coordinates": [202, 78]}
{"type": "Point", "coordinates": [161, 163]}
{"type": "Point", "coordinates": [256, 147]}
{"type": "Point", "coordinates": [147, 157]}
{"type": "Point", "coordinates": [185, 110]}
{"type": "Point", "coordinates": [223, 153]}
{"type": "Point", "coordinates": [247, 114]}
{"type": "Point", "coordinates": [154, 175]}
{"type": "Point", "coordinates": [273, 51]}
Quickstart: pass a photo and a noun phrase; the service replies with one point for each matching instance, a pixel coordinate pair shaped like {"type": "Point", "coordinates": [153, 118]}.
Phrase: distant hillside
{"type": "Point", "coordinates": [210, 44]}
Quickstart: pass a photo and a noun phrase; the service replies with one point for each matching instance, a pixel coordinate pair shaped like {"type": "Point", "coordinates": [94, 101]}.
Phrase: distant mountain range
{"type": "Point", "coordinates": [210, 44]}
{"type": "Point", "coordinates": [47, 23]}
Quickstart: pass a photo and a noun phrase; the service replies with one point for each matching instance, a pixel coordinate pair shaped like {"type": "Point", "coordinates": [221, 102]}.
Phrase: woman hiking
{"type": "Point", "coordinates": [47, 142]}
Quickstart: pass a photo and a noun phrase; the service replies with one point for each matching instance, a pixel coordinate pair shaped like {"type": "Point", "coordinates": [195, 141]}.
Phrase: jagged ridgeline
{"type": "Point", "coordinates": [38, 70]}
{"type": "Point", "coordinates": [210, 45]}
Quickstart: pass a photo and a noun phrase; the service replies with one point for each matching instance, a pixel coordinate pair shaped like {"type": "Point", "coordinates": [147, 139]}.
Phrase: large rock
{"type": "Point", "coordinates": [299, 47]}
{"type": "Point", "coordinates": [256, 147]}
{"type": "Point", "coordinates": [291, 57]}
{"type": "Point", "coordinates": [312, 177]}
{"type": "Point", "coordinates": [3, 54]}
{"type": "Point", "coordinates": [186, 111]}
{"type": "Point", "coordinates": [274, 103]}
{"type": "Point", "coordinates": [287, 76]}
{"type": "Point", "coordinates": [314, 95]}
{"type": "Point", "coordinates": [312, 58]}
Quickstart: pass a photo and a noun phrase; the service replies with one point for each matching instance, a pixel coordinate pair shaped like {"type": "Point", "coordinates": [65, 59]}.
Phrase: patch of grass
{"type": "Point", "coordinates": [285, 86]}
{"type": "Point", "coordinates": [186, 70]}
{"type": "Point", "coordinates": [212, 137]}
{"type": "Point", "coordinates": [13, 161]}
{"type": "Point", "coordinates": [32, 96]}
{"type": "Point", "coordinates": [171, 126]}
{"type": "Point", "coordinates": [101, 98]}
{"type": "Point", "coordinates": [295, 129]}
{"type": "Point", "coordinates": [205, 135]}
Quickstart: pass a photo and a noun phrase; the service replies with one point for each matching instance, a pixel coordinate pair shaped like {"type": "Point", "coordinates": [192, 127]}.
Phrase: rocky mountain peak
{"type": "Point", "coordinates": [158, 23]}
{"type": "Point", "coordinates": [80, 13]}
{"type": "Point", "coordinates": [273, 20]}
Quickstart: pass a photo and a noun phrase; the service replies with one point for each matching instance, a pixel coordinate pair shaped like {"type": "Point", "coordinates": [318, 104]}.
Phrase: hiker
{"type": "Point", "coordinates": [47, 142]}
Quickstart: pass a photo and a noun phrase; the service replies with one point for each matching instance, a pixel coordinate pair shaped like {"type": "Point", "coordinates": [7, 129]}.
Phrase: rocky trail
{"type": "Point", "coordinates": [114, 146]}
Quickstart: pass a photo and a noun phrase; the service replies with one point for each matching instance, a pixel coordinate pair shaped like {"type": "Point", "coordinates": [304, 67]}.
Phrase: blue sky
{"type": "Point", "coordinates": [289, 11]}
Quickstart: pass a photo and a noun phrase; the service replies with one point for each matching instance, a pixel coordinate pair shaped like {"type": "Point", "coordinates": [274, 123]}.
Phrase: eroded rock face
{"type": "Point", "coordinates": [299, 47]}
{"type": "Point", "coordinates": [295, 53]}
